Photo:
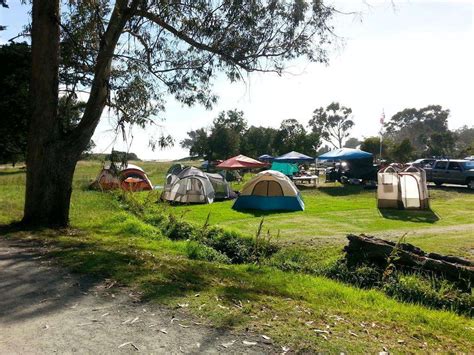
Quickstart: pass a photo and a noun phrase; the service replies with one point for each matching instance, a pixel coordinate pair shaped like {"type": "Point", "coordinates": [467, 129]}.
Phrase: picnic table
{"type": "Point", "coordinates": [311, 180]}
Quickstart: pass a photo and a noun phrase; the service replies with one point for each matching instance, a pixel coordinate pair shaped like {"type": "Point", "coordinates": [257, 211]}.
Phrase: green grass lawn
{"type": "Point", "coordinates": [108, 241]}
{"type": "Point", "coordinates": [332, 211]}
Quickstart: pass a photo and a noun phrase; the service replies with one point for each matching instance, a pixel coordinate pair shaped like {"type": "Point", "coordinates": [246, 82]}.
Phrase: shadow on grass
{"type": "Point", "coordinates": [15, 172]}
{"type": "Point", "coordinates": [25, 284]}
{"type": "Point", "coordinates": [28, 287]}
{"type": "Point", "coordinates": [260, 213]}
{"type": "Point", "coordinates": [426, 216]}
{"type": "Point", "coordinates": [343, 190]}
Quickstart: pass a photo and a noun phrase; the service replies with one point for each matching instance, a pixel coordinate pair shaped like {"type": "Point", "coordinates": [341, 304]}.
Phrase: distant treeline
{"type": "Point", "coordinates": [115, 155]}
{"type": "Point", "coordinates": [409, 134]}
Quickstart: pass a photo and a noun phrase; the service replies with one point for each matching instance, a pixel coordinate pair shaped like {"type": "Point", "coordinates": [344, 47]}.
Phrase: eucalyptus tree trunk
{"type": "Point", "coordinates": [47, 187]}
{"type": "Point", "coordinates": [52, 155]}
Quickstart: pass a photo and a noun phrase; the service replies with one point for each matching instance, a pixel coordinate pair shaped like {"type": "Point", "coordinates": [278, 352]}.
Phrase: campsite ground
{"type": "Point", "coordinates": [45, 310]}
{"type": "Point", "coordinates": [301, 311]}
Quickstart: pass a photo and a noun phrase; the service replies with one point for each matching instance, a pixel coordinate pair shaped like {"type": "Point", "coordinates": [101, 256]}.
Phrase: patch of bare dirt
{"type": "Point", "coordinates": [47, 310]}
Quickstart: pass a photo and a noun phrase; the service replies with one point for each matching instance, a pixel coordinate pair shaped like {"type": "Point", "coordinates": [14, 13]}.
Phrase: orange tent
{"type": "Point", "coordinates": [241, 162]}
{"type": "Point", "coordinates": [130, 178]}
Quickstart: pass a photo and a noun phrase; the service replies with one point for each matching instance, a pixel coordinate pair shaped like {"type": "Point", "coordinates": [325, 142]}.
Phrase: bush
{"type": "Point", "coordinates": [364, 276]}
{"type": "Point", "coordinates": [199, 251]}
{"type": "Point", "coordinates": [156, 219]}
{"type": "Point", "coordinates": [407, 287]}
{"type": "Point", "coordinates": [237, 248]}
{"type": "Point", "coordinates": [291, 260]}
{"type": "Point", "coordinates": [180, 230]}
{"type": "Point", "coordinates": [432, 292]}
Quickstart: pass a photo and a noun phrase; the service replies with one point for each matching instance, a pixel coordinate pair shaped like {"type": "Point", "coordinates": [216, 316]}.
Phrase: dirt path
{"type": "Point", "coordinates": [46, 310]}
{"type": "Point", "coordinates": [426, 230]}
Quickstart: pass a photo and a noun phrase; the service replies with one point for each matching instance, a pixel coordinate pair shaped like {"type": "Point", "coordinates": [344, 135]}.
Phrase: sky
{"type": "Point", "coordinates": [392, 55]}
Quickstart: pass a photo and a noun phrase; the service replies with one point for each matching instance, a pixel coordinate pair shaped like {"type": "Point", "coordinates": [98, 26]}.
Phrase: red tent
{"type": "Point", "coordinates": [241, 162]}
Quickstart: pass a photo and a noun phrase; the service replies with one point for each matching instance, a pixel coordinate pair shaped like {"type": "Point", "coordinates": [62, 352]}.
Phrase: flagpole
{"type": "Point", "coordinates": [382, 121]}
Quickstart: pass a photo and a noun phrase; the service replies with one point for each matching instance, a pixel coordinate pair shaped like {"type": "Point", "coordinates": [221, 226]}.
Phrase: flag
{"type": "Point", "coordinates": [382, 118]}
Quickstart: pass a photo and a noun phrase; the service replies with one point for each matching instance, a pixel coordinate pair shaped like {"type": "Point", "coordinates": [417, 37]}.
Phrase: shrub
{"type": "Point", "coordinates": [364, 276]}
{"type": "Point", "coordinates": [432, 292]}
{"type": "Point", "coordinates": [199, 251]}
{"type": "Point", "coordinates": [237, 248]}
{"type": "Point", "coordinates": [179, 230]}
{"type": "Point", "coordinates": [156, 219]}
{"type": "Point", "coordinates": [291, 260]}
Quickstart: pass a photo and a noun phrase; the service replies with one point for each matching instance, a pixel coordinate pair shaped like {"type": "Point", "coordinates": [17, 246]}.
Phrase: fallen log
{"type": "Point", "coordinates": [362, 248]}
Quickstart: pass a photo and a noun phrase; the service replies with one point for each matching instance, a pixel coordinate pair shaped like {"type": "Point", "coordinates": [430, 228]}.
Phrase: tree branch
{"type": "Point", "coordinates": [183, 36]}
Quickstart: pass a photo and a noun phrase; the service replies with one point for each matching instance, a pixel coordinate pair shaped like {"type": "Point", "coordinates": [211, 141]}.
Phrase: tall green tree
{"type": "Point", "coordinates": [257, 141]}
{"type": "Point", "coordinates": [226, 132]}
{"type": "Point", "coordinates": [197, 143]}
{"type": "Point", "coordinates": [15, 106]}
{"type": "Point", "coordinates": [418, 125]}
{"type": "Point", "coordinates": [292, 136]}
{"type": "Point", "coordinates": [372, 145]}
{"type": "Point", "coordinates": [129, 54]}
{"type": "Point", "coordinates": [441, 144]}
{"type": "Point", "coordinates": [402, 152]}
{"type": "Point", "coordinates": [352, 142]}
{"type": "Point", "coordinates": [332, 123]}
{"type": "Point", "coordinates": [464, 141]}
{"type": "Point", "coordinates": [3, 3]}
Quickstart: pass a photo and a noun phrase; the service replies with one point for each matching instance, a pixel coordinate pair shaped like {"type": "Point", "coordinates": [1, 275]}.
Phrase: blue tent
{"type": "Point", "coordinates": [294, 157]}
{"type": "Point", "coordinates": [265, 157]}
{"type": "Point", "coordinates": [269, 190]}
{"type": "Point", "coordinates": [285, 168]}
{"type": "Point", "coordinates": [346, 154]}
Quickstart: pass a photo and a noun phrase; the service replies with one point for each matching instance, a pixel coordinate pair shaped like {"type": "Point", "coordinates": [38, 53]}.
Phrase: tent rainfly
{"type": "Point", "coordinates": [402, 189]}
{"type": "Point", "coordinates": [294, 157]}
{"type": "Point", "coordinates": [241, 162]}
{"type": "Point", "coordinates": [266, 158]}
{"type": "Point", "coordinates": [191, 185]}
{"type": "Point", "coordinates": [346, 154]}
{"type": "Point", "coordinates": [269, 190]}
{"type": "Point", "coordinates": [130, 177]}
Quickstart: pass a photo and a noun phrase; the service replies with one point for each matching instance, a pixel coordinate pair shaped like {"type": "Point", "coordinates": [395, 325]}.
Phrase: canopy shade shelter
{"type": "Point", "coordinates": [266, 157]}
{"type": "Point", "coordinates": [345, 154]}
{"type": "Point", "coordinates": [241, 162]}
{"type": "Point", "coordinates": [293, 157]}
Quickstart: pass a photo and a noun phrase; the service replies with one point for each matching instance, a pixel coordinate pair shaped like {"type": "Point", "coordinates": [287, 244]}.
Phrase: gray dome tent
{"type": "Point", "coordinates": [221, 187]}
{"type": "Point", "coordinates": [190, 185]}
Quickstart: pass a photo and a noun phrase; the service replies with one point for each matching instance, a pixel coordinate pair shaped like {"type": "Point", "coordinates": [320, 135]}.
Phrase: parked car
{"type": "Point", "coordinates": [459, 172]}
{"type": "Point", "coordinates": [327, 163]}
{"type": "Point", "coordinates": [422, 163]}
{"type": "Point", "coordinates": [471, 157]}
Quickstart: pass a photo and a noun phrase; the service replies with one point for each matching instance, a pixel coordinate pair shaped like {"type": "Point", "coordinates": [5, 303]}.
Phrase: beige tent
{"type": "Point", "coordinates": [269, 190]}
{"type": "Point", "coordinates": [402, 189]}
